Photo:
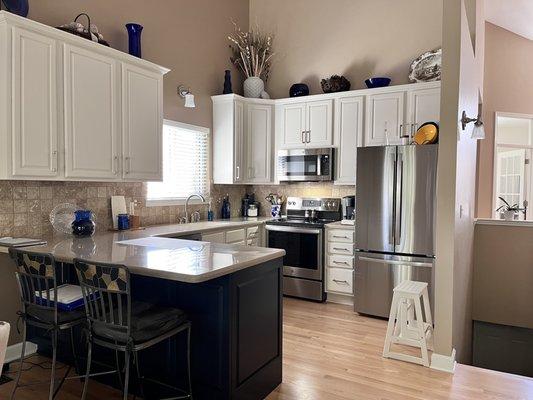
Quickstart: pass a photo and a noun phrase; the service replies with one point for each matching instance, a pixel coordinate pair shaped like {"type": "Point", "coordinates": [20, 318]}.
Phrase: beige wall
{"type": "Point", "coordinates": [463, 45]}
{"type": "Point", "coordinates": [315, 39]}
{"type": "Point", "coordinates": [508, 88]}
{"type": "Point", "coordinates": [187, 36]}
{"type": "Point", "coordinates": [503, 276]}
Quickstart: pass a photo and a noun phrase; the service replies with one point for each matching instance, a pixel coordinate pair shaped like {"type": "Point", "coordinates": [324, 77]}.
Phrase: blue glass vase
{"type": "Point", "coordinates": [134, 34]}
{"type": "Point", "coordinates": [83, 224]}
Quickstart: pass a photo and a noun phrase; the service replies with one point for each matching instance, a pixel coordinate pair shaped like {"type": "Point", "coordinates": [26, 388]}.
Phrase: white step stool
{"type": "Point", "coordinates": [406, 322]}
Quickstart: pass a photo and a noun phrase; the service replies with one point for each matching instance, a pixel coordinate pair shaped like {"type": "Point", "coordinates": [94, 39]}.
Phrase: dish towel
{"type": "Point", "coordinates": [4, 337]}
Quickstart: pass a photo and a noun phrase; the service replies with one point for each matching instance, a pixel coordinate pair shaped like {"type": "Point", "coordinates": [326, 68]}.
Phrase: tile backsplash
{"type": "Point", "coordinates": [25, 205]}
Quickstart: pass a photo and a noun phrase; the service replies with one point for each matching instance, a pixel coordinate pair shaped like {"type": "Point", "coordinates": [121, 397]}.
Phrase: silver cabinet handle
{"type": "Point", "coordinates": [341, 248]}
{"type": "Point", "coordinates": [115, 165]}
{"type": "Point", "coordinates": [338, 281]}
{"type": "Point", "coordinates": [127, 165]}
{"type": "Point", "coordinates": [309, 136]}
{"type": "Point", "coordinates": [340, 263]}
{"type": "Point", "coordinates": [396, 262]}
{"type": "Point", "coordinates": [237, 173]}
{"type": "Point", "coordinates": [341, 237]}
{"type": "Point", "coordinates": [303, 136]}
{"type": "Point", "coordinates": [54, 161]}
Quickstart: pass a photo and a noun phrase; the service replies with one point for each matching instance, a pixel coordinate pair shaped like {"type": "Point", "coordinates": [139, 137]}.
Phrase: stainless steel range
{"type": "Point", "coordinates": [301, 235]}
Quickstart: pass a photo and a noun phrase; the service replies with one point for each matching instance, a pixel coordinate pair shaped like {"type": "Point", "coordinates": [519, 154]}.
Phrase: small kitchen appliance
{"type": "Point", "coordinates": [305, 165]}
{"type": "Point", "coordinates": [348, 208]}
{"type": "Point", "coordinates": [301, 234]}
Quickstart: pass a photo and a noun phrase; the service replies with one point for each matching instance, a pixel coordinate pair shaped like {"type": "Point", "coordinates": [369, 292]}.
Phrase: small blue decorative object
{"type": "Point", "coordinates": [275, 211]}
{"type": "Point", "coordinates": [298, 90]}
{"type": "Point", "coordinates": [123, 222]}
{"type": "Point", "coordinates": [134, 34]}
{"type": "Point", "coordinates": [19, 7]}
{"type": "Point", "coordinates": [377, 82]}
{"type": "Point", "coordinates": [227, 83]}
{"type": "Point", "coordinates": [83, 224]}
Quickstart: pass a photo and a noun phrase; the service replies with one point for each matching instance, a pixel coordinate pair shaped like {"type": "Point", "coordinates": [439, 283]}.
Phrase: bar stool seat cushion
{"type": "Point", "coordinates": [47, 315]}
{"type": "Point", "coordinates": [148, 321]}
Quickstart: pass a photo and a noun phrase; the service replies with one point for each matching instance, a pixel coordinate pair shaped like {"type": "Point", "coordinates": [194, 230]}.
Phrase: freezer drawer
{"type": "Point", "coordinates": [376, 275]}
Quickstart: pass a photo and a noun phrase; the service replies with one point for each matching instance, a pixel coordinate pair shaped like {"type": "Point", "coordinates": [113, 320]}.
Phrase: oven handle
{"type": "Point", "coordinates": [278, 228]}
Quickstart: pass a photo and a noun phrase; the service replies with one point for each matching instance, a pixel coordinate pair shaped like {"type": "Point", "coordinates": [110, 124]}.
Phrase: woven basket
{"type": "Point", "coordinates": [86, 33]}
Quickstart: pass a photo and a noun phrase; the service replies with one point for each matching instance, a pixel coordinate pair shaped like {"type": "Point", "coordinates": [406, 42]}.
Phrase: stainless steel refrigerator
{"type": "Point", "coordinates": [394, 222]}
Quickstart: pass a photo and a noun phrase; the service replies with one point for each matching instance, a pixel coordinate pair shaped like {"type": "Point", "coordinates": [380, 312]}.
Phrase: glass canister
{"type": "Point", "coordinates": [123, 222]}
{"type": "Point", "coordinates": [83, 224]}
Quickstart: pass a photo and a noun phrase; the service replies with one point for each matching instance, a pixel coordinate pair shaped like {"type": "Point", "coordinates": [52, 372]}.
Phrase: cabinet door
{"type": "Point", "coordinates": [423, 106]}
{"type": "Point", "coordinates": [219, 237]}
{"type": "Point", "coordinates": [34, 105]}
{"type": "Point", "coordinates": [238, 139]}
{"type": "Point", "coordinates": [349, 123]}
{"type": "Point", "coordinates": [258, 143]}
{"type": "Point", "coordinates": [142, 124]}
{"type": "Point", "coordinates": [293, 125]}
{"type": "Point", "coordinates": [91, 118]}
{"type": "Point", "coordinates": [320, 123]}
{"type": "Point", "coordinates": [384, 119]}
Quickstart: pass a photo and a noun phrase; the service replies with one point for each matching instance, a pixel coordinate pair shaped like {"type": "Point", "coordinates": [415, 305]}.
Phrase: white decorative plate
{"type": "Point", "coordinates": [427, 67]}
{"type": "Point", "coordinates": [62, 216]}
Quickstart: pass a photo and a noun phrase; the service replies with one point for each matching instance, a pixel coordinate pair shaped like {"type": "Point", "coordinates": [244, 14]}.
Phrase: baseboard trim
{"type": "Point", "coordinates": [340, 299]}
{"type": "Point", "coordinates": [13, 351]}
{"type": "Point", "coordinates": [444, 363]}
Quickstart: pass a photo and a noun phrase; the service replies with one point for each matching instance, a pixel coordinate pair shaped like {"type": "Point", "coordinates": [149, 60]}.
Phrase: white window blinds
{"type": "Point", "coordinates": [185, 163]}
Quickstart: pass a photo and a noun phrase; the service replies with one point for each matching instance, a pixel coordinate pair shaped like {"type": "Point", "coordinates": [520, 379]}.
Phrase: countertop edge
{"type": "Point", "coordinates": [502, 222]}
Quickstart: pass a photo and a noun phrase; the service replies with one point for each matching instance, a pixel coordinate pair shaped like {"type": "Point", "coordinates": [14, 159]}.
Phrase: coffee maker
{"type": "Point", "coordinates": [348, 208]}
{"type": "Point", "coordinates": [249, 207]}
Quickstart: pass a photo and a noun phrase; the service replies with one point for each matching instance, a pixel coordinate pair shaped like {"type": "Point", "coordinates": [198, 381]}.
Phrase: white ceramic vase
{"type": "Point", "coordinates": [253, 87]}
{"type": "Point", "coordinates": [508, 215]}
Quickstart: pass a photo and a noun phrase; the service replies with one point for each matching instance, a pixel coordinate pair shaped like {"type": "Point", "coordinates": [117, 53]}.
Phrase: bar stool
{"type": "Point", "coordinates": [407, 325]}
{"type": "Point", "coordinates": [118, 323]}
{"type": "Point", "coordinates": [37, 282]}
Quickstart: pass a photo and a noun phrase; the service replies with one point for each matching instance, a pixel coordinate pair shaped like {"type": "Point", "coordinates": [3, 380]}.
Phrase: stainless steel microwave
{"type": "Point", "coordinates": [300, 165]}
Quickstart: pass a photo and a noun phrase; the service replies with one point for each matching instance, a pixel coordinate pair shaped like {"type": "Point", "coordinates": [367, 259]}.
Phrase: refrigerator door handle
{"type": "Point", "coordinates": [393, 206]}
{"type": "Point", "coordinates": [397, 262]}
{"type": "Point", "coordinates": [399, 199]}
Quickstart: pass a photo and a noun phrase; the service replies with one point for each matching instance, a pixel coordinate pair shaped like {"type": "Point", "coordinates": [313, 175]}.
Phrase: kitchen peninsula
{"type": "Point", "coordinates": [231, 293]}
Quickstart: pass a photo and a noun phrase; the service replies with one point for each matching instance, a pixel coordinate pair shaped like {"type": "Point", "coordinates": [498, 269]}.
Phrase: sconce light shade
{"type": "Point", "coordinates": [189, 101]}
{"type": "Point", "coordinates": [479, 130]}
{"type": "Point", "coordinates": [187, 95]}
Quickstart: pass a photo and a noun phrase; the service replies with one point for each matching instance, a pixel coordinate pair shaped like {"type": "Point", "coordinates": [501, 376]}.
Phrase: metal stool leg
{"type": "Point", "coordinates": [189, 360]}
{"type": "Point", "coordinates": [119, 370]}
{"type": "Point", "coordinates": [87, 370]}
{"type": "Point", "coordinates": [127, 374]}
{"type": "Point", "coordinates": [139, 377]}
{"type": "Point", "coordinates": [54, 361]}
{"type": "Point", "coordinates": [19, 373]}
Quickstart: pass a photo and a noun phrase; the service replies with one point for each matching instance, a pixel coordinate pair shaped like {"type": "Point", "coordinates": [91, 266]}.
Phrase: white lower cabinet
{"type": "Point", "coordinates": [250, 236]}
{"type": "Point", "coordinates": [340, 245]}
{"type": "Point", "coordinates": [218, 237]}
{"type": "Point", "coordinates": [71, 109]}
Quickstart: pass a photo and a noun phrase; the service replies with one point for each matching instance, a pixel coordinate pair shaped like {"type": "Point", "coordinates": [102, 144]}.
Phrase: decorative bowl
{"type": "Point", "coordinates": [335, 84]}
{"type": "Point", "coordinates": [298, 90]}
{"type": "Point", "coordinates": [377, 82]}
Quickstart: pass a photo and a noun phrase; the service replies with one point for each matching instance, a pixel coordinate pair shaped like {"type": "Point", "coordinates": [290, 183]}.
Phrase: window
{"type": "Point", "coordinates": [513, 148]}
{"type": "Point", "coordinates": [185, 164]}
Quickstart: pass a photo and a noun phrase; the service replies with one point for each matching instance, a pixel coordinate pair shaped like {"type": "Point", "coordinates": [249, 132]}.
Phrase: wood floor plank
{"type": "Point", "coordinates": [331, 353]}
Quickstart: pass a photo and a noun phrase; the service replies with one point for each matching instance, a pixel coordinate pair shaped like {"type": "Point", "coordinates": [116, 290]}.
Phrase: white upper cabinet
{"type": "Point", "coordinates": [34, 127]}
{"type": "Point", "coordinates": [320, 123]}
{"type": "Point", "coordinates": [384, 119]}
{"type": "Point", "coordinates": [258, 140]}
{"type": "Point", "coordinates": [307, 124]}
{"type": "Point", "coordinates": [91, 115]}
{"type": "Point", "coordinates": [142, 124]}
{"type": "Point", "coordinates": [348, 136]}
{"type": "Point", "coordinates": [71, 109]}
{"type": "Point", "coordinates": [294, 125]}
{"type": "Point", "coordinates": [423, 106]}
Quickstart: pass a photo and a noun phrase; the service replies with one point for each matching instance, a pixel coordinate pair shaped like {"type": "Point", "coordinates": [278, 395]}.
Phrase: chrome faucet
{"type": "Point", "coordinates": [202, 198]}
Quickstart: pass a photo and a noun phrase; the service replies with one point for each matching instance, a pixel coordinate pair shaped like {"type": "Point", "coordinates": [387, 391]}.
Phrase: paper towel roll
{"type": "Point", "coordinates": [4, 337]}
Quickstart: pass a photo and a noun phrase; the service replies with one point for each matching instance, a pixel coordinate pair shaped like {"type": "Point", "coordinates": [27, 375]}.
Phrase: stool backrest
{"type": "Point", "coordinates": [106, 293]}
{"type": "Point", "coordinates": [36, 277]}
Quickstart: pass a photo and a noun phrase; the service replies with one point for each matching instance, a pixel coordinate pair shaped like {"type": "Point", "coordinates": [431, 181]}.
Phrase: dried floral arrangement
{"type": "Point", "coordinates": [251, 52]}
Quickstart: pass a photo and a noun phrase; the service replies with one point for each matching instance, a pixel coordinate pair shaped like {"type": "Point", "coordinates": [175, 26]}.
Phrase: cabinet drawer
{"type": "Point", "coordinates": [337, 261]}
{"type": "Point", "coordinates": [217, 237]}
{"type": "Point", "coordinates": [340, 248]}
{"type": "Point", "coordinates": [235, 236]}
{"type": "Point", "coordinates": [339, 280]}
{"type": "Point", "coordinates": [340, 235]}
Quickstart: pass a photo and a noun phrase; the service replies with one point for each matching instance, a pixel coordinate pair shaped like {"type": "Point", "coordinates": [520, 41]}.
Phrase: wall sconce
{"type": "Point", "coordinates": [187, 95]}
{"type": "Point", "coordinates": [479, 130]}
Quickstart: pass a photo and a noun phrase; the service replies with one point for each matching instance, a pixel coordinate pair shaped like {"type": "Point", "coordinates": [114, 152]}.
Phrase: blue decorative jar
{"type": "Point", "coordinates": [83, 224]}
{"type": "Point", "coordinates": [134, 35]}
{"type": "Point", "coordinates": [298, 90]}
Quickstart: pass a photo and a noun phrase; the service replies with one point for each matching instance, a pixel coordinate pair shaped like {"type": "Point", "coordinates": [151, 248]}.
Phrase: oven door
{"type": "Point", "coordinates": [305, 165]}
{"type": "Point", "coordinates": [303, 247]}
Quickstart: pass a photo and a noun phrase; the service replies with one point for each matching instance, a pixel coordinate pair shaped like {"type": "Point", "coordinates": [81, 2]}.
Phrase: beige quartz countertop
{"type": "Point", "coordinates": [154, 251]}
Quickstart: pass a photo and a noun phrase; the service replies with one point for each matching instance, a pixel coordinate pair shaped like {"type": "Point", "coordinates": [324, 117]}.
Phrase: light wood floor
{"type": "Point", "coordinates": [331, 353]}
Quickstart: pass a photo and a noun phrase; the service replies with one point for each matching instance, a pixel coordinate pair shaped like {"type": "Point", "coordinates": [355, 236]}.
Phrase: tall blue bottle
{"type": "Point", "coordinates": [134, 36]}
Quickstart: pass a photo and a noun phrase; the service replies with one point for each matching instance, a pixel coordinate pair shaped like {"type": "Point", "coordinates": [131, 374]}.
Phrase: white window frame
{"type": "Point", "coordinates": [181, 201]}
{"type": "Point", "coordinates": [528, 178]}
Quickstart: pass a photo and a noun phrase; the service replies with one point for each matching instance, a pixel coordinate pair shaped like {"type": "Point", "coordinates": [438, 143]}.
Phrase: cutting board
{"type": "Point", "coordinates": [118, 206]}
